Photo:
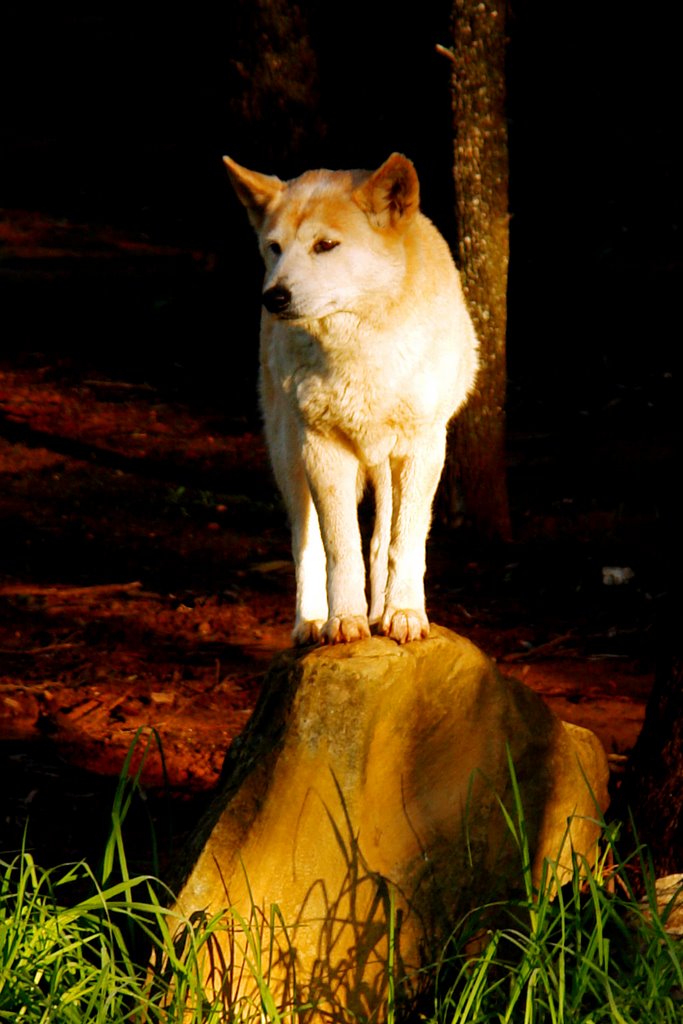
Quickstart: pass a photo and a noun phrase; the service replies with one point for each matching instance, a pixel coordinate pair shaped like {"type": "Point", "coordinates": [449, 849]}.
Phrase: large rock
{"type": "Point", "coordinates": [365, 798]}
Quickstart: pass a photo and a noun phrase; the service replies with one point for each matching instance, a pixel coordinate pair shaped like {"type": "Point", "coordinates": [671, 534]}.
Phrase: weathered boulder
{"type": "Point", "coordinates": [364, 803]}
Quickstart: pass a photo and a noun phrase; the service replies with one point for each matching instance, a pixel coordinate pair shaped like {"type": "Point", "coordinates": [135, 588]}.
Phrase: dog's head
{"type": "Point", "coordinates": [332, 241]}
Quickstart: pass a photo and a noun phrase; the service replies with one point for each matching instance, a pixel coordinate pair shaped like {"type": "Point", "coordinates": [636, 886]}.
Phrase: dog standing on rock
{"type": "Point", "coordinates": [367, 351]}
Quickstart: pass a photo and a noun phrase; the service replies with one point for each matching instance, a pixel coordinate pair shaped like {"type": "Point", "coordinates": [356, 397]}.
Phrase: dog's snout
{"type": "Point", "coordinates": [277, 299]}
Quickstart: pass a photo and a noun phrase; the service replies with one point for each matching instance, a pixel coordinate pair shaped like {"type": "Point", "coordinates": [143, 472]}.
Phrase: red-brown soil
{"type": "Point", "coordinates": [146, 584]}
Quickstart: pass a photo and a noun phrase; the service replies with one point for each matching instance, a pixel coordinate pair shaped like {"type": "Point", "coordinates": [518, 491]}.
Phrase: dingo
{"type": "Point", "coordinates": [367, 351]}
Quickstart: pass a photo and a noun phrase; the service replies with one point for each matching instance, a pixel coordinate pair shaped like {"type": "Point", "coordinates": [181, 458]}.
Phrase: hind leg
{"type": "Point", "coordinates": [380, 477]}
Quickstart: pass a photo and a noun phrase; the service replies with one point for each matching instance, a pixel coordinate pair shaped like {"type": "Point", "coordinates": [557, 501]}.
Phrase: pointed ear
{"type": "Point", "coordinates": [257, 192]}
{"type": "Point", "coordinates": [391, 195]}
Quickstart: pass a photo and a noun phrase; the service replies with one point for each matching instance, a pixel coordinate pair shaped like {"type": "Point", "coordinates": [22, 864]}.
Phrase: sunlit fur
{"type": "Point", "coordinates": [362, 368]}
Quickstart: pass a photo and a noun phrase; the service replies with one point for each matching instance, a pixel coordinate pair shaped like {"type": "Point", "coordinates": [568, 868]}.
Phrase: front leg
{"type": "Point", "coordinates": [414, 481]}
{"type": "Point", "coordinates": [332, 472]}
{"type": "Point", "coordinates": [284, 444]}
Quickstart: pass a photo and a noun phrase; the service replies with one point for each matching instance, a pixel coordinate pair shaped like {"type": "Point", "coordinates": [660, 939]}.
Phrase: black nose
{"type": "Point", "coordinates": [277, 299]}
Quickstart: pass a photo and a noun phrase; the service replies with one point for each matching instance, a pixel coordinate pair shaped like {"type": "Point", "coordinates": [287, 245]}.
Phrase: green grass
{"type": "Point", "coordinates": [75, 945]}
{"type": "Point", "coordinates": [589, 954]}
{"type": "Point", "coordinates": [579, 952]}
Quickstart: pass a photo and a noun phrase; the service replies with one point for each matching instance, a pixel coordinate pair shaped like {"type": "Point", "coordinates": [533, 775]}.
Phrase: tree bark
{"type": "Point", "coordinates": [651, 792]}
{"type": "Point", "coordinates": [274, 85]}
{"type": "Point", "coordinates": [652, 789]}
{"type": "Point", "coordinates": [476, 477]}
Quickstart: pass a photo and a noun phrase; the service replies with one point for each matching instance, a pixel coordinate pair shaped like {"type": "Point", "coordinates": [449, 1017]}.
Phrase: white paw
{"type": "Point", "coordinates": [404, 625]}
{"type": "Point", "coordinates": [345, 629]}
{"type": "Point", "coordinates": [307, 632]}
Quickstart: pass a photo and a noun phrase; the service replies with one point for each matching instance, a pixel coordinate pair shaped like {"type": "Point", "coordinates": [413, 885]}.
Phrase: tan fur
{"type": "Point", "coordinates": [367, 351]}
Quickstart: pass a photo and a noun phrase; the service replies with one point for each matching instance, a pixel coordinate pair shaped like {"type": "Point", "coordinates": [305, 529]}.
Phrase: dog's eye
{"type": "Point", "coordinates": [324, 245]}
{"type": "Point", "coordinates": [275, 248]}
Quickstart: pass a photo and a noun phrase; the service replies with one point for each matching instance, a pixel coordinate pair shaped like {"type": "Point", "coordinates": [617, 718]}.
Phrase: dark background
{"type": "Point", "coordinates": [115, 119]}
{"type": "Point", "coordinates": [125, 255]}
{"type": "Point", "coordinates": [119, 113]}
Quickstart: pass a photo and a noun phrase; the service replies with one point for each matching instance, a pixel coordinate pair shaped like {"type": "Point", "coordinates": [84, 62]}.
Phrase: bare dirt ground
{"type": "Point", "coordinates": [145, 581]}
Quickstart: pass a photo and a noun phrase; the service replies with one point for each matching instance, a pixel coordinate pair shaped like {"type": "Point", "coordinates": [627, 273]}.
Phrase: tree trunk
{"type": "Point", "coordinates": [476, 477]}
{"type": "Point", "coordinates": [274, 87]}
{"type": "Point", "coordinates": [652, 789]}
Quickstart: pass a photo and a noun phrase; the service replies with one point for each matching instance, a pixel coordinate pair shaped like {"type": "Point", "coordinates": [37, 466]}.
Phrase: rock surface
{"type": "Point", "coordinates": [364, 799]}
